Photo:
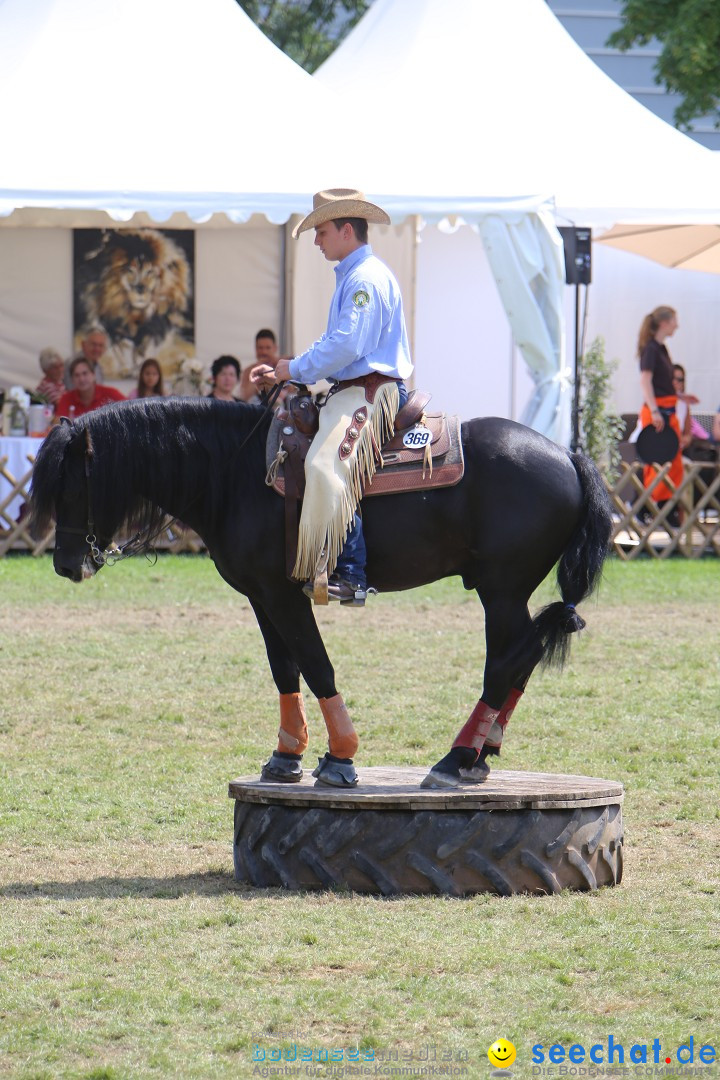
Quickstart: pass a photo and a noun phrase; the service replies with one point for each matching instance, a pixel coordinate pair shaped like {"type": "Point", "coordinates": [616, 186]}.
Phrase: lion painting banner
{"type": "Point", "coordinates": [138, 285]}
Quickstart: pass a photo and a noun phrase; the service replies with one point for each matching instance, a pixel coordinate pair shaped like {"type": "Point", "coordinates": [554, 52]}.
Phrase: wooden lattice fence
{"type": "Point", "coordinates": [686, 524]}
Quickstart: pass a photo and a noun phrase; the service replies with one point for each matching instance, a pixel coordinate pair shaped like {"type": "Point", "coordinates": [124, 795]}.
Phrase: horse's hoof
{"type": "Point", "coordinates": [335, 772]}
{"type": "Point", "coordinates": [283, 768]}
{"type": "Point", "coordinates": [477, 775]}
{"type": "Point", "coordinates": [460, 764]}
{"type": "Point", "coordinates": [435, 779]}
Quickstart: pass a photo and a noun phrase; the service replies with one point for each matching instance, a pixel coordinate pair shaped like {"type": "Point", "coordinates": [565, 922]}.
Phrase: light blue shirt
{"type": "Point", "coordinates": [366, 326]}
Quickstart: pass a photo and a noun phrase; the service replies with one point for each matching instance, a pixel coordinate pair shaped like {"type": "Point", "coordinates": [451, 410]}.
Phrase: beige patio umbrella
{"type": "Point", "coordinates": [690, 247]}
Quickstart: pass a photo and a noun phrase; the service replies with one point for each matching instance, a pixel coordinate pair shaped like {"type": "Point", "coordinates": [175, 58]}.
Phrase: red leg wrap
{"type": "Point", "coordinates": [495, 737]}
{"type": "Point", "coordinates": [476, 728]}
{"type": "Point", "coordinates": [293, 733]}
{"type": "Point", "coordinates": [342, 740]}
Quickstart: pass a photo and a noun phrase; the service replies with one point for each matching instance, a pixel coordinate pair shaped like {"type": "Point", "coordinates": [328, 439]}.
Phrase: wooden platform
{"type": "Point", "coordinates": [518, 832]}
{"type": "Point", "coordinates": [393, 788]}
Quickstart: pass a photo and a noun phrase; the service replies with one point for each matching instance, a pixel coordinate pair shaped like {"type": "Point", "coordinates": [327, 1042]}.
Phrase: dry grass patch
{"type": "Point", "coordinates": [126, 948]}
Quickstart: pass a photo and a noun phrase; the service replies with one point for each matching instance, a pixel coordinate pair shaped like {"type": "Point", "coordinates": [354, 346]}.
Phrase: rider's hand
{"type": "Point", "coordinates": [263, 376]}
{"type": "Point", "coordinates": [282, 370]}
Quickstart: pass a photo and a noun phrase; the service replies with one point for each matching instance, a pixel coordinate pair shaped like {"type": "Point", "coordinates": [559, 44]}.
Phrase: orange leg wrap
{"type": "Point", "coordinates": [495, 737]}
{"type": "Point", "coordinates": [342, 740]}
{"type": "Point", "coordinates": [293, 733]}
{"type": "Point", "coordinates": [475, 729]}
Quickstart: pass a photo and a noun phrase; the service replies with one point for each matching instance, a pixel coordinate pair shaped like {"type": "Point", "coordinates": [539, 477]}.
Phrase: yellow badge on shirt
{"type": "Point", "coordinates": [361, 298]}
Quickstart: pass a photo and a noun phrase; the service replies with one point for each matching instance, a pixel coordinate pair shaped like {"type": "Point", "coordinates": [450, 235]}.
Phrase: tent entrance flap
{"type": "Point", "coordinates": [526, 258]}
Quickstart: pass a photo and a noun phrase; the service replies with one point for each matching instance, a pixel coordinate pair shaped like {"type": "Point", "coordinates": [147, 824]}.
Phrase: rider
{"type": "Point", "coordinates": [365, 354]}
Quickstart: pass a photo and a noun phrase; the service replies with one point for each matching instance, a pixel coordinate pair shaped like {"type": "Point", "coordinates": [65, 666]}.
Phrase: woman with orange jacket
{"type": "Point", "coordinates": [659, 392]}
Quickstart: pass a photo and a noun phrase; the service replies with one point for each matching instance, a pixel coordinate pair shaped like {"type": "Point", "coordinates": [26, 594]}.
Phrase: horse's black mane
{"type": "Point", "coordinates": [184, 445]}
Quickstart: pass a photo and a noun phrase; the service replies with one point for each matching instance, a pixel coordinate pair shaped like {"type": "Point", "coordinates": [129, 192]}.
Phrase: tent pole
{"type": "Point", "coordinates": [575, 445]}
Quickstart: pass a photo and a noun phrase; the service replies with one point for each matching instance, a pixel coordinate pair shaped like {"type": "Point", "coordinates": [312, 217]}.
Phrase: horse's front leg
{"type": "Point", "coordinates": [284, 765]}
{"type": "Point", "coordinates": [294, 646]}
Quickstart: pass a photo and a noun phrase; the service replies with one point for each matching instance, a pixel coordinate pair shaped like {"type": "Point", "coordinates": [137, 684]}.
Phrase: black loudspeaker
{"type": "Point", "coordinates": [578, 257]}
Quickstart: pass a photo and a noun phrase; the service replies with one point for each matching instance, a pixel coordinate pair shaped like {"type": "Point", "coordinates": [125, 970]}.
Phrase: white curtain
{"type": "Point", "coordinates": [526, 257]}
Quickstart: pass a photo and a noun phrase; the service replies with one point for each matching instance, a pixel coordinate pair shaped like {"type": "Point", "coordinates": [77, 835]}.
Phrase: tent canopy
{"type": "Point", "coordinates": [163, 107]}
{"type": "Point", "coordinates": [460, 98]}
{"type": "Point", "coordinates": [463, 109]}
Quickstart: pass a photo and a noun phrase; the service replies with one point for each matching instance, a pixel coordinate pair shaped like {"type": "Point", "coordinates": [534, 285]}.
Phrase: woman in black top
{"type": "Point", "coordinates": [659, 393]}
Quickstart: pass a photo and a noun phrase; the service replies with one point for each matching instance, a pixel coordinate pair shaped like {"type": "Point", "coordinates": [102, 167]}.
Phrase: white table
{"type": "Point", "coordinates": [16, 456]}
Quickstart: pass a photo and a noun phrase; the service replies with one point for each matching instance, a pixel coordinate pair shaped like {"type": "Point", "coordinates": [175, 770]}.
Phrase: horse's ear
{"type": "Point", "coordinates": [65, 420]}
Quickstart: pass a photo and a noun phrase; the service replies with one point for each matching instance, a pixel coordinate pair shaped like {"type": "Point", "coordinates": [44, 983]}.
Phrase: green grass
{"type": "Point", "coordinates": [127, 950]}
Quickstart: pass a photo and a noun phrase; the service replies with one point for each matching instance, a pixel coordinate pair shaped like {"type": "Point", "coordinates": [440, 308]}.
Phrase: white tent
{"type": "Point", "coordinates": [457, 99]}
{"type": "Point", "coordinates": [476, 98]}
{"type": "Point", "coordinates": [161, 106]}
{"type": "Point", "coordinates": [183, 114]}
{"type": "Point", "coordinates": [170, 112]}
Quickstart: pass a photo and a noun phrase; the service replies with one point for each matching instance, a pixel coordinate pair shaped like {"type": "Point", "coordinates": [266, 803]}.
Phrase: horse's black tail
{"type": "Point", "coordinates": [579, 568]}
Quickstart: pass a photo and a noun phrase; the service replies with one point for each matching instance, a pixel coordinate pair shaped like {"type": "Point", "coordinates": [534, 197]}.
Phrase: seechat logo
{"type": "Point", "coordinates": [614, 1053]}
{"type": "Point", "coordinates": [501, 1054]}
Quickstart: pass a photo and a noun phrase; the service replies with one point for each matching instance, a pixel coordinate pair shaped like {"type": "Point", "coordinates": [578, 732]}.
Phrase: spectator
{"type": "Point", "coordinates": [225, 375]}
{"type": "Point", "coordinates": [150, 380]}
{"type": "Point", "coordinates": [265, 353]}
{"type": "Point", "coordinates": [691, 428]}
{"type": "Point", "coordinates": [716, 426]}
{"type": "Point", "coordinates": [266, 357]}
{"type": "Point", "coordinates": [682, 409]}
{"type": "Point", "coordinates": [661, 397]}
{"type": "Point", "coordinates": [85, 395]}
{"type": "Point", "coordinates": [52, 384]}
{"type": "Point", "coordinates": [93, 346]}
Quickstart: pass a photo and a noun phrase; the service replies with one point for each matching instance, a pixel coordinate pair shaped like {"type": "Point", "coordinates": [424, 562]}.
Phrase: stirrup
{"type": "Point", "coordinates": [319, 583]}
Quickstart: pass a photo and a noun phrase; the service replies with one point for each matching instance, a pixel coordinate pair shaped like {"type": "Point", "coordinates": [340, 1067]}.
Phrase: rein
{"type": "Point", "coordinates": [111, 556]}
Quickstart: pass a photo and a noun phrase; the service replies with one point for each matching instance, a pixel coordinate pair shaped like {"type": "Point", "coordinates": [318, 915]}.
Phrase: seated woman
{"type": "Point", "coordinates": [225, 374]}
{"type": "Point", "coordinates": [150, 380]}
{"type": "Point", "coordinates": [52, 384]}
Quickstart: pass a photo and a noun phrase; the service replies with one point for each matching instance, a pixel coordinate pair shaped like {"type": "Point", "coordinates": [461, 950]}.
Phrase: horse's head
{"type": "Point", "coordinates": [61, 491]}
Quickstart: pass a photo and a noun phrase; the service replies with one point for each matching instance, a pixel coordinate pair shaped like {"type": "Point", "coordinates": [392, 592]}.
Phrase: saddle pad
{"type": "Point", "coordinates": [402, 468]}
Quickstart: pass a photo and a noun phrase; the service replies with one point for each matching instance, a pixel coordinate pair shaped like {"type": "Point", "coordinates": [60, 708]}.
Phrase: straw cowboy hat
{"type": "Point", "coordinates": [340, 203]}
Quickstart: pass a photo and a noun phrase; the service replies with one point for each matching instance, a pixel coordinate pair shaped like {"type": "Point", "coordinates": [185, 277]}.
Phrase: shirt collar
{"type": "Point", "coordinates": [346, 265]}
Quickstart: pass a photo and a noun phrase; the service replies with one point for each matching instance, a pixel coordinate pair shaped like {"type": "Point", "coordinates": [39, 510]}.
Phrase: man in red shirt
{"type": "Point", "coordinates": [85, 395]}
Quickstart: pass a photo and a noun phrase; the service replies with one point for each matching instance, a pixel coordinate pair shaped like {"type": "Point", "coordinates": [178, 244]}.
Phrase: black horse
{"type": "Point", "coordinates": [523, 505]}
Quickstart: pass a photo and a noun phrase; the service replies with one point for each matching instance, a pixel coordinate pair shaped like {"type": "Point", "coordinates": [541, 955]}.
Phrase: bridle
{"type": "Point", "coordinates": [112, 555]}
{"type": "Point", "coordinates": [108, 556]}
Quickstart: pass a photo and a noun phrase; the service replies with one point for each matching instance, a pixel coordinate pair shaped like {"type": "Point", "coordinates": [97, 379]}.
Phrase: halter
{"type": "Point", "coordinates": [111, 556]}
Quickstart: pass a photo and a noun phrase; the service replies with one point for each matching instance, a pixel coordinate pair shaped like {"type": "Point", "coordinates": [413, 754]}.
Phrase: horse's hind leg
{"type": "Point", "coordinates": [512, 654]}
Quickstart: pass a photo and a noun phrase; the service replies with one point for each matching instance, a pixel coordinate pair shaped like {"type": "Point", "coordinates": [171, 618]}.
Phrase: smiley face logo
{"type": "Point", "coordinates": [501, 1054]}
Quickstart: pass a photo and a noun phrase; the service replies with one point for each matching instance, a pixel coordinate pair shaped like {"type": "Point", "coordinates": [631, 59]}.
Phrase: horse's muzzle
{"type": "Point", "coordinates": [76, 572]}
